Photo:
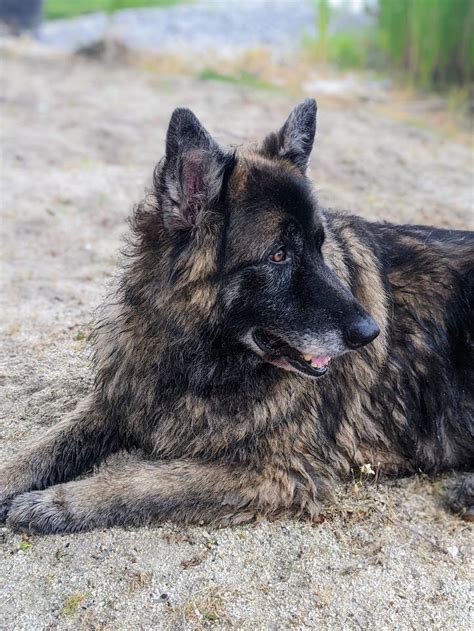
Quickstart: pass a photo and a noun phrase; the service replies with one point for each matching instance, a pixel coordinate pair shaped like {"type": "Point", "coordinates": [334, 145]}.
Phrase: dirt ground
{"type": "Point", "coordinates": [79, 142]}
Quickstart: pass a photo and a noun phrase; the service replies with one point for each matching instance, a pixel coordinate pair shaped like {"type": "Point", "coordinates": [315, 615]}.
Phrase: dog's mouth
{"type": "Point", "coordinates": [277, 351]}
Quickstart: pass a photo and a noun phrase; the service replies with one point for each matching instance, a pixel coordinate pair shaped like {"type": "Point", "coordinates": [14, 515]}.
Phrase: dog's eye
{"type": "Point", "coordinates": [280, 256]}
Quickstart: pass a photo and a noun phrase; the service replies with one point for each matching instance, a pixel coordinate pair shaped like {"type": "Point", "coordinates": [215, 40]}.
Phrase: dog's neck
{"type": "Point", "coordinates": [210, 363]}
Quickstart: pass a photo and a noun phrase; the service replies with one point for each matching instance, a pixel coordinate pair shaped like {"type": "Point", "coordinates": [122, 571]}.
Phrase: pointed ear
{"type": "Point", "coordinates": [191, 175]}
{"type": "Point", "coordinates": [294, 141]}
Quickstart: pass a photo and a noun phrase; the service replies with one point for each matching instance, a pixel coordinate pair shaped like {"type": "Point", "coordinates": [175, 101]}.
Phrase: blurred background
{"type": "Point", "coordinates": [87, 88]}
{"type": "Point", "coordinates": [243, 64]}
{"type": "Point", "coordinates": [427, 42]}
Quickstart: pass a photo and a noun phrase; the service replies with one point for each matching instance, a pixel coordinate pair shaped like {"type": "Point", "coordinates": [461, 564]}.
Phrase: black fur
{"type": "Point", "coordinates": [212, 357]}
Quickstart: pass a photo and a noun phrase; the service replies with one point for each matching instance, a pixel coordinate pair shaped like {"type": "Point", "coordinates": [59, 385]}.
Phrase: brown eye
{"type": "Point", "coordinates": [279, 256]}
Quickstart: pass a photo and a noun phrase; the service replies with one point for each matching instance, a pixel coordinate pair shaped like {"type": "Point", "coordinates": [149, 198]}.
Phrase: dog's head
{"type": "Point", "coordinates": [254, 216]}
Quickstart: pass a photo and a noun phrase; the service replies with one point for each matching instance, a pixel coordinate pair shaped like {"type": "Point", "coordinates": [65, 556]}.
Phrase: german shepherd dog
{"type": "Point", "coordinates": [258, 349]}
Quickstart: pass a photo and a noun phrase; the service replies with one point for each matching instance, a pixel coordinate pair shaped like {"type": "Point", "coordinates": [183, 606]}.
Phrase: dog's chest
{"type": "Point", "coordinates": [197, 426]}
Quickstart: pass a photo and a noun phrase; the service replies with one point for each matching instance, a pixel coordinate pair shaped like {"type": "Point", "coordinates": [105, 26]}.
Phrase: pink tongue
{"type": "Point", "coordinates": [320, 362]}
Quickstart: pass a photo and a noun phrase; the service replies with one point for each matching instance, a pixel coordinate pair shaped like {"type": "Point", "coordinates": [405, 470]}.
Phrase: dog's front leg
{"type": "Point", "coordinates": [143, 492]}
{"type": "Point", "coordinates": [66, 450]}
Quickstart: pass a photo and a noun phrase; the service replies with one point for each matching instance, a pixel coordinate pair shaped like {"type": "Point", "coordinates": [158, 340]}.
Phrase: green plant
{"type": "Point", "coordinates": [242, 78]}
{"type": "Point", "coordinates": [72, 604]}
{"type": "Point", "coordinates": [349, 50]}
{"type": "Point", "coordinates": [24, 545]}
{"type": "Point", "coordinates": [324, 16]}
{"type": "Point", "coordinates": [430, 41]}
{"type": "Point", "coordinates": [55, 9]}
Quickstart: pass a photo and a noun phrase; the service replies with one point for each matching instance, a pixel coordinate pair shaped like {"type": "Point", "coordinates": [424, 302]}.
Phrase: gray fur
{"type": "Point", "coordinates": [232, 424]}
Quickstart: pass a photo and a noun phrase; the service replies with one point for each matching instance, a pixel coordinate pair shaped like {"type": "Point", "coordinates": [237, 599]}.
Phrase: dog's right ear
{"type": "Point", "coordinates": [191, 176]}
{"type": "Point", "coordinates": [294, 141]}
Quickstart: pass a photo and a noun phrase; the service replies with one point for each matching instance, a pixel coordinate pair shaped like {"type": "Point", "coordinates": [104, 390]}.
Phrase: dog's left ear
{"type": "Point", "coordinates": [294, 141]}
{"type": "Point", "coordinates": [191, 176]}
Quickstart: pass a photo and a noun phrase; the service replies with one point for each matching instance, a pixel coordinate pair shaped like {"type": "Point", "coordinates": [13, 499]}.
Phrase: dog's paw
{"type": "Point", "coordinates": [14, 481]}
{"type": "Point", "coordinates": [40, 512]}
{"type": "Point", "coordinates": [460, 496]}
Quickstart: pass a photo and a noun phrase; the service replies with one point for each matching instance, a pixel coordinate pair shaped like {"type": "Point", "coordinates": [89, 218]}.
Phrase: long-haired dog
{"type": "Point", "coordinates": [258, 348]}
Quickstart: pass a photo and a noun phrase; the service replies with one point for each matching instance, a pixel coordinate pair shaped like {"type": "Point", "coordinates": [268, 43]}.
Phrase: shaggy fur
{"type": "Point", "coordinates": [212, 357]}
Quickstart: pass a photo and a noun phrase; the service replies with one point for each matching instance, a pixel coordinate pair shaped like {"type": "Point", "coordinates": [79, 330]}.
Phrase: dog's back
{"type": "Point", "coordinates": [415, 409]}
{"type": "Point", "coordinates": [431, 273]}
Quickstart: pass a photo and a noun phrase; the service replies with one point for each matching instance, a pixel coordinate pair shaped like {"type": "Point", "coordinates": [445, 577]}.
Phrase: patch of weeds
{"type": "Point", "coordinates": [72, 604]}
{"type": "Point", "coordinates": [348, 50]}
{"type": "Point", "coordinates": [202, 611]}
{"type": "Point", "coordinates": [205, 609]}
{"type": "Point", "coordinates": [80, 335]}
{"type": "Point", "coordinates": [243, 78]}
{"type": "Point", "coordinates": [139, 580]}
{"type": "Point", "coordinates": [211, 616]}
{"type": "Point", "coordinates": [24, 545]}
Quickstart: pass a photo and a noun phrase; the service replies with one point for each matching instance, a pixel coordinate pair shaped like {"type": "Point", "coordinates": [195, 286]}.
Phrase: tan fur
{"type": "Point", "coordinates": [226, 435]}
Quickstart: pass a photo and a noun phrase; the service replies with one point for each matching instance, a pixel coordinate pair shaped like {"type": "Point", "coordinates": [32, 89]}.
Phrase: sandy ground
{"type": "Point", "coordinates": [79, 142]}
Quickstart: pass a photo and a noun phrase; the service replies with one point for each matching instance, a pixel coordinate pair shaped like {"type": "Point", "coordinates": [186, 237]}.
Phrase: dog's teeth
{"type": "Point", "coordinates": [308, 358]}
{"type": "Point", "coordinates": [320, 362]}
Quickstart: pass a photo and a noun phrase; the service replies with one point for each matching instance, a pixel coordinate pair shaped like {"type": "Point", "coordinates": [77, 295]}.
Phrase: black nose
{"type": "Point", "coordinates": [360, 332]}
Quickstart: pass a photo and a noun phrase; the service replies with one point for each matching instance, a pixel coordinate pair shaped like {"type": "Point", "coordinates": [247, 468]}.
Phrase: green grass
{"type": "Point", "coordinates": [324, 17]}
{"type": "Point", "coordinates": [242, 78]}
{"type": "Point", "coordinates": [429, 43]}
{"type": "Point", "coordinates": [347, 50]}
{"type": "Point", "coordinates": [55, 9]}
{"type": "Point", "coordinates": [24, 545]}
{"type": "Point", "coordinates": [72, 604]}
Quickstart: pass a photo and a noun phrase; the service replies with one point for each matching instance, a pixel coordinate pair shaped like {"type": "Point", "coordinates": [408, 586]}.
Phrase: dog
{"type": "Point", "coordinates": [258, 349]}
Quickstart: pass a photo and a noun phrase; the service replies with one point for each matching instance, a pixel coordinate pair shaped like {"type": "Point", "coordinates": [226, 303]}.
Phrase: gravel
{"type": "Point", "coordinates": [74, 160]}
